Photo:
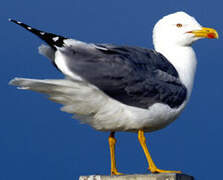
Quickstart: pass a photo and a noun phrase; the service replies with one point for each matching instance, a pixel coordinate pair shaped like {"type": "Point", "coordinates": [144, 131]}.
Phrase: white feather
{"type": "Point", "coordinates": [60, 61]}
{"type": "Point", "coordinates": [47, 51]}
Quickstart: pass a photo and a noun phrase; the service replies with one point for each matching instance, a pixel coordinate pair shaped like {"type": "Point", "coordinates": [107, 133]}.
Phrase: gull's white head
{"type": "Point", "coordinates": [179, 29]}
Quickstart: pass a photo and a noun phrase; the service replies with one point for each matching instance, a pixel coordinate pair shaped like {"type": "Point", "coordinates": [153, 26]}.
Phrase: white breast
{"type": "Point", "coordinates": [115, 116]}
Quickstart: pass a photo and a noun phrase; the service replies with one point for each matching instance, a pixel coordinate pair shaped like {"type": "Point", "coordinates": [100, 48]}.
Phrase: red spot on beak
{"type": "Point", "coordinates": [211, 35]}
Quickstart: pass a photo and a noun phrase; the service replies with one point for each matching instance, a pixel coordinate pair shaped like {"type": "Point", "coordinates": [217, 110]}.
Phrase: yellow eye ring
{"type": "Point", "coordinates": [179, 25]}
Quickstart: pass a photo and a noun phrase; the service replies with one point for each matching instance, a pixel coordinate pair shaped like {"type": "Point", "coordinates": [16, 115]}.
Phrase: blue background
{"type": "Point", "coordinates": [38, 142]}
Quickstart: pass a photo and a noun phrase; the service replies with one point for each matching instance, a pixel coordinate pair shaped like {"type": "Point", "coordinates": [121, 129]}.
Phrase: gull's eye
{"type": "Point", "coordinates": [179, 25]}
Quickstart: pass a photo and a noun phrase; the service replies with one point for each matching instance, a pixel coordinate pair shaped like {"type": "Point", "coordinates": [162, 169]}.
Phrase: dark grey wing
{"type": "Point", "coordinates": [134, 76]}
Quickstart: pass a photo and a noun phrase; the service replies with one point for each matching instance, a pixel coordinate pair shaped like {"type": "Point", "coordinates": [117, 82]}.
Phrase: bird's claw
{"type": "Point", "coordinates": [156, 170]}
{"type": "Point", "coordinates": [115, 172]}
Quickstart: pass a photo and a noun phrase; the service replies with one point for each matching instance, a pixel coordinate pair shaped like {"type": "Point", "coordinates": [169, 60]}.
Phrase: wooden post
{"type": "Point", "coordinates": [165, 176]}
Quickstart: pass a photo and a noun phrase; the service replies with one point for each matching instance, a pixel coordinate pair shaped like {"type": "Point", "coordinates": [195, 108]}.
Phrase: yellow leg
{"type": "Point", "coordinates": [152, 166]}
{"type": "Point", "coordinates": [112, 142]}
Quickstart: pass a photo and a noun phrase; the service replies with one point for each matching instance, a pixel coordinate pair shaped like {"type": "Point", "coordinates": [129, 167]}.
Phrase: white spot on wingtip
{"type": "Point", "coordinates": [55, 38]}
{"type": "Point", "coordinates": [29, 28]}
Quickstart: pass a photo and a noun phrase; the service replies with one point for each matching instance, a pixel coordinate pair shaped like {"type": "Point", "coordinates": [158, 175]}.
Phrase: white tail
{"type": "Point", "coordinates": [77, 97]}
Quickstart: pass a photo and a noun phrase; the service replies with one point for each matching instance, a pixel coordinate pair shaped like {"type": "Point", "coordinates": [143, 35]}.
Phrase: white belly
{"type": "Point", "coordinates": [115, 116]}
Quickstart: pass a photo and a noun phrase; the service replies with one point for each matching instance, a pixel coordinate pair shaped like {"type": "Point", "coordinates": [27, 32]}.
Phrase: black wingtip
{"type": "Point", "coordinates": [33, 30]}
{"type": "Point", "coordinates": [52, 40]}
{"type": "Point", "coordinates": [14, 21]}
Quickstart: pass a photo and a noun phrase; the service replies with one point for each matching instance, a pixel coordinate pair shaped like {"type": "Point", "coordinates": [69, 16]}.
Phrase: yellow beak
{"type": "Point", "coordinates": [205, 33]}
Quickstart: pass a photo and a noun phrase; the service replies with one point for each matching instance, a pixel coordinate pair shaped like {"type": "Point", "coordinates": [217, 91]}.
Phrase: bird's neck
{"type": "Point", "coordinates": [184, 60]}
